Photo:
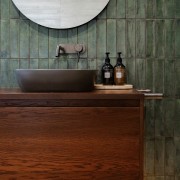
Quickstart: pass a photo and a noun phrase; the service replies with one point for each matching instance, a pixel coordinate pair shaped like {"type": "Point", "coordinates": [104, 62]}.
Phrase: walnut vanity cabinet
{"type": "Point", "coordinates": [88, 135]}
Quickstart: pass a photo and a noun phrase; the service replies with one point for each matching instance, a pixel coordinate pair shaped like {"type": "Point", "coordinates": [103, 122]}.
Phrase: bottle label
{"type": "Point", "coordinates": [119, 75]}
{"type": "Point", "coordinates": [107, 75]}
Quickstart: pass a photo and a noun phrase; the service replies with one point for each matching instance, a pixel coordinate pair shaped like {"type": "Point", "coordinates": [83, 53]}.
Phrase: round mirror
{"type": "Point", "coordinates": [60, 14]}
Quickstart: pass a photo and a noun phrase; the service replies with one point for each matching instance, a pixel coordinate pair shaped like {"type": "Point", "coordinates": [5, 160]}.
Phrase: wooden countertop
{"type": "Point", "coordinates": [7, 94]}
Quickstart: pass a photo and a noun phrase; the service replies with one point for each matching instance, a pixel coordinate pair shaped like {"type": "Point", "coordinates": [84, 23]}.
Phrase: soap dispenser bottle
{"type": "Point", "coordinates": [119, 71]}
{"type": "Point", "coordinates": [107, 71]}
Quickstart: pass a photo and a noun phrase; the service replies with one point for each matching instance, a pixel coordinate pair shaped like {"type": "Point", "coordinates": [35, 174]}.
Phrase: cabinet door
{"type": "Point", "coordinates": [70, 143]}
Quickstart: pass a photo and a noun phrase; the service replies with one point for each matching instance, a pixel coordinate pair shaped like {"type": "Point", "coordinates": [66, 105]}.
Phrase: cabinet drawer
{"type": "Point", "coordinates": [70, 143]}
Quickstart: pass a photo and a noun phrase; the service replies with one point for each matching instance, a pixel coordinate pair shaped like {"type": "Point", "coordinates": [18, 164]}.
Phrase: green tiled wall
{"type": "Point", "coordinates": [147, 32]}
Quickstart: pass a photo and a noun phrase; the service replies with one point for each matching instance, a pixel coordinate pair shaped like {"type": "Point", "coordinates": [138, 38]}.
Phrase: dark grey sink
{"type": "Point", "coordinates": [55, 80]}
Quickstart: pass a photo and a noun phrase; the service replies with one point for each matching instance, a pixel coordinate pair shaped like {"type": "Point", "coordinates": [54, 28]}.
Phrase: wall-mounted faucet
{"type": "Point", "coordinates": [70, 49]}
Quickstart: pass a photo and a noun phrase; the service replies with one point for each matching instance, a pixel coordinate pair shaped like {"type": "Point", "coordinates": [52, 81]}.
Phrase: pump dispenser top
{"type": "Point", "coordinates": [119, 59]}
{"type": "Point", "coordinates": [107, 60]}
{"type": "Point", "coordinates": [107, 71]}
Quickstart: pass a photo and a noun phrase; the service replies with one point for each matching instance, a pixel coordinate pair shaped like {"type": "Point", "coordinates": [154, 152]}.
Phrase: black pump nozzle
{"type": "Point", "coordinates": [107, 57]}
{"type": "Point", "coordinates": [107, 54]}
{"type": "Point", "coordinates": [119, 57]}
{"type": "Point", "coordinates": [119, 60]}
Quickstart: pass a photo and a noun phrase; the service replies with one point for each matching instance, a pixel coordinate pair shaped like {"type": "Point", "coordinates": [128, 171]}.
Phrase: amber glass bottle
{"type": "Point", "coordinates": [119, 72]}
{"type": "Point", "coordinates": [107, 72]}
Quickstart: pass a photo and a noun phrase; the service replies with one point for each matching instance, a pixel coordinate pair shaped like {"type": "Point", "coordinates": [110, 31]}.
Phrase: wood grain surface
{"type": "Point", "coordinates": [70, 143]}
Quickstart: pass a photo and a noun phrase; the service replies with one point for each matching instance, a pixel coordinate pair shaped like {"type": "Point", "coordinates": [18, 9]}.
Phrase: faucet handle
{"type": "Point", "coordinates": [78, 48]}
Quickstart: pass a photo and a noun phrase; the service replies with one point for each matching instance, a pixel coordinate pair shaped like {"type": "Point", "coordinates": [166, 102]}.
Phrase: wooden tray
{"type": "Point", "coordinates": [111, 87]}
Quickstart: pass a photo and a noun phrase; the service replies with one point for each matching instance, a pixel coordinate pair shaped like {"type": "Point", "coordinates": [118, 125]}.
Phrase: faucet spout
{"type": "Point", "coordinates": [58, 51]}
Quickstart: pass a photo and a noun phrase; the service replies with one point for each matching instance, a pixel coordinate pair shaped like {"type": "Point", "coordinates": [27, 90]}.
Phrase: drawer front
{"type": "Point", "coordinates": [70, 143]}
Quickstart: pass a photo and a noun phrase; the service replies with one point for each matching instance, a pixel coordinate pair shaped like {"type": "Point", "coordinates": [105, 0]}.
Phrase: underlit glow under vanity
{"type": "Point", "coordinates": [75, 135]}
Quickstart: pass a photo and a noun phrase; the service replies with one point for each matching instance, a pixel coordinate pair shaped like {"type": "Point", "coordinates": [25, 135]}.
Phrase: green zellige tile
{"type": "Point", "coordinates": [83, 38]}
{"type": "Point", "coordinates": [101, 38]}
{"type": "Point", "coordinates": [53, 41]}
{"type": "Point", "coordinates": [13, 65]}
{"type": "Point", "coordinates": [160, 38]}
{"type": "Point", "coordinates": [34, 42]}
{"type": "Point", "coordinates": [140, 9]}
{"type": "Point", "coordinates": [63, 39]}
{"type": "Point", "coordinates": [159, 156]}
{"type": "Point", "coordinates": [169, 8]}
{"type": "Point", "coordinates": [121, 9]}
{"type": "Point", "coordinates": [130, 68]}
{"type": "Point", "coordinates": [113, 61]}
{"type": "Point", "coordinates": [5, 7]}
{"type": "Point", "coordinates": [111, 37]}
{"type": "Point", "coordinates": [4, 73]}
{"type": "Point", "coordinates": [177, 78]}
{"type": "Point", "coordinates": [149, 157]}
{"type": "Point", "coordinates": [150, 8]}
{"type": "Point", "coordinates": [63, 36]}
{"type": "Point", "coordinates": [160, 8]}
{"type": "Point", "coordinates": [121, 36]}
{"type": "Point", "coordinates": [159, 76]}
{"type": "Point", "coordinates": [92, 64]}
{"type": "Point", "coordinates": [149, 73]}
{"type": "Point", "coordinates": [140, 73]}
{"type": "Point", "coordinates": [169, 156]}
{"type": "Point", "coordinates": [24, 63]}
{"type": "Point", "coordinates": [100, 62]}
{"type": "Point", "coordinates": [53, 63]}
{"type": "Point", "coordinates": [111, 9]}
{"type": "Point", "coordinates": [43, 64]}
{"type": "Point", "coordinates": [149, 119]}
{"type": "Point", "coordinates": [92, 46]}
{"type": "Point", "coordinates": [130, 38]}
{"type": "Point", "coordinates": [177, 8]}
{"type": "Point", "coordinates": [72, 63]}
{"type": "Point", "coordinates": [14, 36]}
{"type": "Point", "coordinates": [34, 63]}
{"type": "Point", "coordinates": [82, 64]}
{"type": "Point", "coordinates": [150, 38]}
{"type": "Point", "coordinates": [43, 42]}
{"type": "Point", "coordinates": [24, 39]}
{"type": "Point", "coordinates": [130, 8]}
{"type": "Point", "coordinates": [63, 62]}
{"type": "Point", "coordinates": [5, 39]}
{"type": "Point", "coordinates": [14, 12]}
{"type": "Point", "coordinates": [177, 38]}
{"type": "Point", "coordinates": [169, 78]}
{"type": "Point", "coordinates": [140, 38]}
{"type": "Point", "coordinates": [170, 38]}
{"type": "Point", "coordinates": [159, 118]}
{"type": "Point", "coordinates": [72, 39]}
{"type": "Point", "coordinates": [72, 35]}
{"type": "Point", "coordinates": [169, 110]}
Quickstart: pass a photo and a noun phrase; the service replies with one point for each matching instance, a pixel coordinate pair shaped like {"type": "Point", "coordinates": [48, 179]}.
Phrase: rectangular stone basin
{"type": "Point", "coordinates": [55, 80]}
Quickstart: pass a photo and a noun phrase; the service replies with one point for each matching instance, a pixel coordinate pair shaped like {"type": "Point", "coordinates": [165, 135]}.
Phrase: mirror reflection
{"type": "Point", "coordinates": [60, 14]}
